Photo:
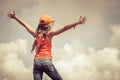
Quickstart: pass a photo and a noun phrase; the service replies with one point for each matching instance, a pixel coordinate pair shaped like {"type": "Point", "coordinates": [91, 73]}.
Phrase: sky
{"type": "Point", "coordinates": [91, 51]}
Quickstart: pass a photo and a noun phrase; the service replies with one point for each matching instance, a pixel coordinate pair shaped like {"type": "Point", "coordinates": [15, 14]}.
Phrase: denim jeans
{"type": "Point", "coordinates": [45, 65]}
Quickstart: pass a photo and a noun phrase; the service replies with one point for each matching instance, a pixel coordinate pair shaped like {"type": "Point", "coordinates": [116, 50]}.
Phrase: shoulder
{"type": "Point", "coordinates": [51, 34]}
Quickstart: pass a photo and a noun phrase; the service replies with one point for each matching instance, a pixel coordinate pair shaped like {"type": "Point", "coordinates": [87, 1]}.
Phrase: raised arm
{"type": "Point", "coordinates": [28, 28]}
{"type": "Point", "coordinates": [81, 20]}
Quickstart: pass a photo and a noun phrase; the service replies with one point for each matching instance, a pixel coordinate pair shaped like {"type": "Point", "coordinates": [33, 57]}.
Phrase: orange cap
{"type": "Point", "coordinates": [46, 19]}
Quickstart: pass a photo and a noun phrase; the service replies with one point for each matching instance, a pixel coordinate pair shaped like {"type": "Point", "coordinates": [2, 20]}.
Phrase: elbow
{"type": "Point", "coordinates": [32, 33]}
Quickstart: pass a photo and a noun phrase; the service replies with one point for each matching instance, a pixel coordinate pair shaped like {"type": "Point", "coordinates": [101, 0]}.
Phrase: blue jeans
{"type": "Point", "coordinates": [45, 65]}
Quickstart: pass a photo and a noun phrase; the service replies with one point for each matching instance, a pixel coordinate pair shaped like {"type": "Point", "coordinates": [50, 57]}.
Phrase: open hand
{"type": "Point", "coordinates": [82, 20]}
{"type": "Point", "coordinates": [11, 15]}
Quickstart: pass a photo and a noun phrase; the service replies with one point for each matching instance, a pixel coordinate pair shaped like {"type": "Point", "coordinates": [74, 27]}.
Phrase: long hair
{"type": "Point", "coordinates": [41, 27]}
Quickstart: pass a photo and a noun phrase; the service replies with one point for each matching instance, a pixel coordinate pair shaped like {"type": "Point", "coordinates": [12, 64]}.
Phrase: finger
{"type": "Point", "coordinates": [84, 18]}
{"type": "Point", "coordinates": [9, 18]}
{"type": "Point", "coordinates": [8, 15]}
{"type": "Point", "coordinates": [9, 12]}
{"type": "Point", "coordinates": [80, 17]}
{"type": "Point", "coordinates": [14, 12]}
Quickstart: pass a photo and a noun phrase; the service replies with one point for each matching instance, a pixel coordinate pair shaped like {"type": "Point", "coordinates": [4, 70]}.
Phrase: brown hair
{"type": "Point", "coordinates": [45, 28]}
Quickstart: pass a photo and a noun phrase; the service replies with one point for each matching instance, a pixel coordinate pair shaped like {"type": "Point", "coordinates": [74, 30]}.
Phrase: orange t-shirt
{"type": "Point", "coordinates": [45, 50]}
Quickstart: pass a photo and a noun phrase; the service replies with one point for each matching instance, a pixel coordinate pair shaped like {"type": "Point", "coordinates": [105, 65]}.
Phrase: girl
{"type": "Point", "coordinates": [43, 44]}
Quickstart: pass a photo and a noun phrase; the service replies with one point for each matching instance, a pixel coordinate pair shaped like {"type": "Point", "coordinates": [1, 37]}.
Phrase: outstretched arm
{"type": "Point", "coordinates": [82, 20]}
{"type": "Point", "coordinates": [28, 28]}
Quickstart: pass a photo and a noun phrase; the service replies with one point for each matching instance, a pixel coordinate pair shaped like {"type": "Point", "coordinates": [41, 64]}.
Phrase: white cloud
{"type": "Point", "coordinates": [115, 39]}
{"type": "Point", "coordinates": [103, 64]}
{"type": "Point", "coordinates": [12, 66]}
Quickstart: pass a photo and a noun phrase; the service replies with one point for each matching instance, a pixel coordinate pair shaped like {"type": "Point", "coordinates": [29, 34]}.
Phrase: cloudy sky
{"type": "Point", "coordinates": [90, 52]}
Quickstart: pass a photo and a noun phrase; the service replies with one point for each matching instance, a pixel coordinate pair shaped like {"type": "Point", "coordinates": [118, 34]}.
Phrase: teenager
{"type": "Point", "coordinates": [43, 43]}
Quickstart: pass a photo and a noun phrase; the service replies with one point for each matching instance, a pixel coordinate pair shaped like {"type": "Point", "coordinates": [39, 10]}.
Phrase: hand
{"type": "Point", "coordinates": [82, 20]}
{"type": "Point", "coordinates": [11, 15]}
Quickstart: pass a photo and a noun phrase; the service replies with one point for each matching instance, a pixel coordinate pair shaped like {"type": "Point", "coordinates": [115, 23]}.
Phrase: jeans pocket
{"type": "Point", "coordinates": [49, 67]}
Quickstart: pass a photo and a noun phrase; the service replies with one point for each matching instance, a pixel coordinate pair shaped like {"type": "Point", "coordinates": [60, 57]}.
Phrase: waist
{"type": "Point", "coordinates": [40, 59]}
{"type": "Point", "coordinates": [43, 55]}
